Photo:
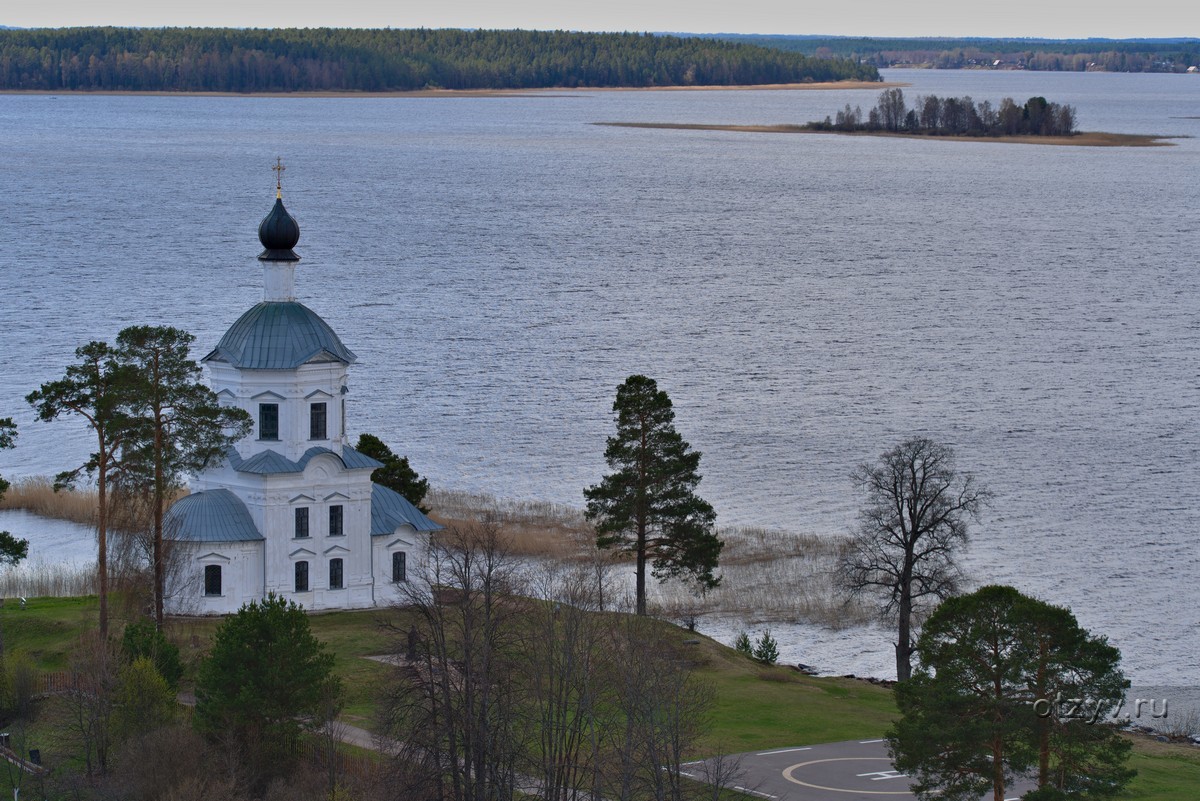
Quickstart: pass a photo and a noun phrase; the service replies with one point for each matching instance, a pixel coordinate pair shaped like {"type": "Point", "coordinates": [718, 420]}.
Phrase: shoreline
{"type": "Point", "coordinates": [1081, 139]}
{"type": "Point", "coordinates": [546, 91]}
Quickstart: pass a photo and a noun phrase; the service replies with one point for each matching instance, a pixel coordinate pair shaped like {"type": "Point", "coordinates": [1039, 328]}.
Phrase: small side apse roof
{"type": "Point", "coordinates": [390, 509]}
{"type": "Point", "coordinates": [269, 462]}
{"type": "Point", "coordinates": [210, 516]}
{"type": "Point", "coordinates": [280, 335]}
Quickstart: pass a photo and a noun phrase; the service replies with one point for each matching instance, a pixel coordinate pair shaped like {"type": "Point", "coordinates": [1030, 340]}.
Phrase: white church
{"type": "Point", "coordinates": [292, 509]}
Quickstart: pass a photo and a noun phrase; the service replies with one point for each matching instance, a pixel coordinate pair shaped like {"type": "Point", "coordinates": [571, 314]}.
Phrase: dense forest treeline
{"type": "Point", "coordinates": [955, 116]}
{"type": "Point", "coordinates": [1106, 55]}
{"type": "Point", "coordinates": [340, 59]}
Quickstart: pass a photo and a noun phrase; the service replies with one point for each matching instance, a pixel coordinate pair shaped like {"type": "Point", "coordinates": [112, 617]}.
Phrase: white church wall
{"type": "Point", "coordinates": [241, 577]}
{"type": "Point", "coordinates": [324, 483]}
{"type": "Point", "coordinates": [294, 391]}
{"type": "Point", "coordinates": [406, 540]}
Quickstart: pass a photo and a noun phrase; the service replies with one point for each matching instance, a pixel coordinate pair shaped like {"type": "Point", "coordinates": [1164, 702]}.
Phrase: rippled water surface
{"type": "Point", "coordinates": [499, 265]}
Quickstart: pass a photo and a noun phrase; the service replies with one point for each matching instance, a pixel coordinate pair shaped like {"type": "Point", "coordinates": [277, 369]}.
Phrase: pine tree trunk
{"type": "Point", "coordinates": [102, 537]}
{"type": "Point", "coordinates": [159, 497]}
{"type": "Point", "coordinates": [641, 572]}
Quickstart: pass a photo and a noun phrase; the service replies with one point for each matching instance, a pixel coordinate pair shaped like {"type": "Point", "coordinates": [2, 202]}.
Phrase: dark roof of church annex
{"type": "Point", "coordinates": [210, 516]}
{"type": "Point", "coordinates": [269, 463]}
{"type": "Point", "coordinates": [280, 335]}
{"type": "Point", "coordinates": [390, 509]}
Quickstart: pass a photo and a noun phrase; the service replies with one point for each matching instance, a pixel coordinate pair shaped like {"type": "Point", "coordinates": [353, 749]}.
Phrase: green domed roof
{"type": "Point", "coordinates": [210, 516]}
{"type": "Point", "coordinates": [280, 335]}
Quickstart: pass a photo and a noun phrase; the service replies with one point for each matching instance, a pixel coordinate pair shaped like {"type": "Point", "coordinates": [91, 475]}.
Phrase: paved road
{"type": "Point", "coordinates": [857, 770]}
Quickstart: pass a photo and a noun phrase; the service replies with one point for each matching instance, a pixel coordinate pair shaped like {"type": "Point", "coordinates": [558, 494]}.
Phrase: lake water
{"type": "Point", "coordinates": [499, 265]}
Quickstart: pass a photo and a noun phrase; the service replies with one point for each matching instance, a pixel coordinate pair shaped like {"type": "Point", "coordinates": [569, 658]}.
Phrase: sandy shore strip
{"type": "Point", "coordinates": [548, 91]}
{"type": "Point", "coordinates": [1082, 139]}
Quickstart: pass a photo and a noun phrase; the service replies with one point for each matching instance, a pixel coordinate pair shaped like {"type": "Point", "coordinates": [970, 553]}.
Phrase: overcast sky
{"type": "Point", "coordinates": [1041, 18]}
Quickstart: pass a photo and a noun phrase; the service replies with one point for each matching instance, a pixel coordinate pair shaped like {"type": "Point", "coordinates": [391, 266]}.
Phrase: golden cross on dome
{"type": "Point", "coordinates": [278, 168]}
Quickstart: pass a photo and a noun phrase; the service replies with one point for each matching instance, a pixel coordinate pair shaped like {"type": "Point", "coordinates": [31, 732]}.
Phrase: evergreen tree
{"type": "Point", "coordinates": [265, 675]}
{"type": "Point", "coordinates": [176, 425]}
{"type": "Point", "coordinates": [767, 650]}
{"type": "Point", "coordinates": [648, 506]}
{"type": "Point", "coordinates": [12, 549]}
{"type": "Point", "coordinates": [396, 473]}
{"type": "Point", "coordinates": [983, 705]}
{"type": "Point", "coordinates": [96, 389]}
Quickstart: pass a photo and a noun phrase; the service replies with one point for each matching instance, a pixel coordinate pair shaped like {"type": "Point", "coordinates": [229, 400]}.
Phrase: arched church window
{"type": "Point", "coordinates": [212, 579]}
{"type": "Point", "coordinates": [335, 574]}
{"type": "Point", "coordinates": [399, 566]}
{"type": "Point", "coordinates": [302, 577]}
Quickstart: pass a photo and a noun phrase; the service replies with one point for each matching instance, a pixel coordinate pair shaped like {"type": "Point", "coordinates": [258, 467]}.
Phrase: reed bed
{"type": "Point", "coordinates": [533, 528]}
{"type": "Point", "coordinates": [45, 580]}
{"type": "Point", "coordinates": [36, 494]}
{"type": "Point", "coordinates": [768, 575]}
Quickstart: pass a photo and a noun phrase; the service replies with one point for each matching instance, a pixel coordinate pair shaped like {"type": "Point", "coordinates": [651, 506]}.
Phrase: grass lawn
{"type": "Point", "coordinates": [755, 707]}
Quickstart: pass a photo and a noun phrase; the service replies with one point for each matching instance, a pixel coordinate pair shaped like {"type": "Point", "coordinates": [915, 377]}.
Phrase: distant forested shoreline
{"type": "Point", "coordinates": [1065, 55]}
{"type": "Point", "coordinates": [378, 60]}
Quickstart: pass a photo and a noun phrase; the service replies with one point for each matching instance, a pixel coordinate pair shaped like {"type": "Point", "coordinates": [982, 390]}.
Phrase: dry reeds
{"type": "Point", "coordinates": [41, 580]}
{"type": "Point", "coordinates": [37, 495]}
{"type": "Point", "coordinates": [531, 528]}
{"type": "Point", "coordinates": [769, 575]}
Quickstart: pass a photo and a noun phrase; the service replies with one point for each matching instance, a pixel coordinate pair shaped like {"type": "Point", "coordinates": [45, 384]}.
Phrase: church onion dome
{"type": "Point", "coordinates": [279, 232]}
{"type": "Point", "coordinates": [280, 335]}
{"type": "Point", "coordinates": [210, 516]}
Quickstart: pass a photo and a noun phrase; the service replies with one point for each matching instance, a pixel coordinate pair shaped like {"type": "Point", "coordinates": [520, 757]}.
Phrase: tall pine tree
{"type": "Point", "coordinates": [648, 506]}
{"type": "Point", "coordinates": [96, 389]}
{"type": "Point", "coordinates": [176, 424]}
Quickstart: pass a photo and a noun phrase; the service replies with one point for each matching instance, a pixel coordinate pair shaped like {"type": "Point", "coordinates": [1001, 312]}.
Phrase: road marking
{"type": "Point", "coordinates": [868, 742]}
{"type": "Point", "coordinates": [880, 775]}
{"type": "Point", "coordinates": [787, 774]}
{"type": "Point", "coordinates": [784, 751]}
{"type": "Point", "coordinates": [755, 792]}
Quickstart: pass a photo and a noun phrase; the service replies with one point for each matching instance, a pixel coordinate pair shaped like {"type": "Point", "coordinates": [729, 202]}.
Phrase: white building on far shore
{"type": "Point", "coordinates": [292, 509]}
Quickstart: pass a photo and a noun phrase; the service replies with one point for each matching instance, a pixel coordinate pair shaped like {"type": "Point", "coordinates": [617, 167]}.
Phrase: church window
{"type": "Point", "coordinates": [302, 522]}
{"type": "Point", "coordinates": [302, 577]}
{"type": "Point", "coordinates": [399, 566]}
{"type": "Point", "coordinates": [212, 579]}
{"type": "Point", "coordinates": [335, 574]}
{"type": "Point", "coordinates": [316, 421]}
{"type": "Point", "coordinates": [335, 520]}
{"type": "Point", "coordinates": [268, 421]}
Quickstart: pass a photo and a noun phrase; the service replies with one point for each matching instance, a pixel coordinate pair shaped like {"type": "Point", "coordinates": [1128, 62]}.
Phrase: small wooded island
{"type": "Point", "coordinates": [954, 116]}
{"type": "Point", "coordinates": [1038, 121]}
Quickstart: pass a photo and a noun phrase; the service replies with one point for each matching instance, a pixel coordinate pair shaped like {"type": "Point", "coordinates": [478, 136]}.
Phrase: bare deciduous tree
{"type": "Point", "coordinates": [911, 530]}
{"type": "Point", "coordinates": [91, 700]}
{"type": "Point", "coordinates": [452, 711]}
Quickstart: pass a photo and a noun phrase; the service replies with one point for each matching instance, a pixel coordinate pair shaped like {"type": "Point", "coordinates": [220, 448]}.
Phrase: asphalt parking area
{"type": "Point", "coordinates": [856, 770]}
